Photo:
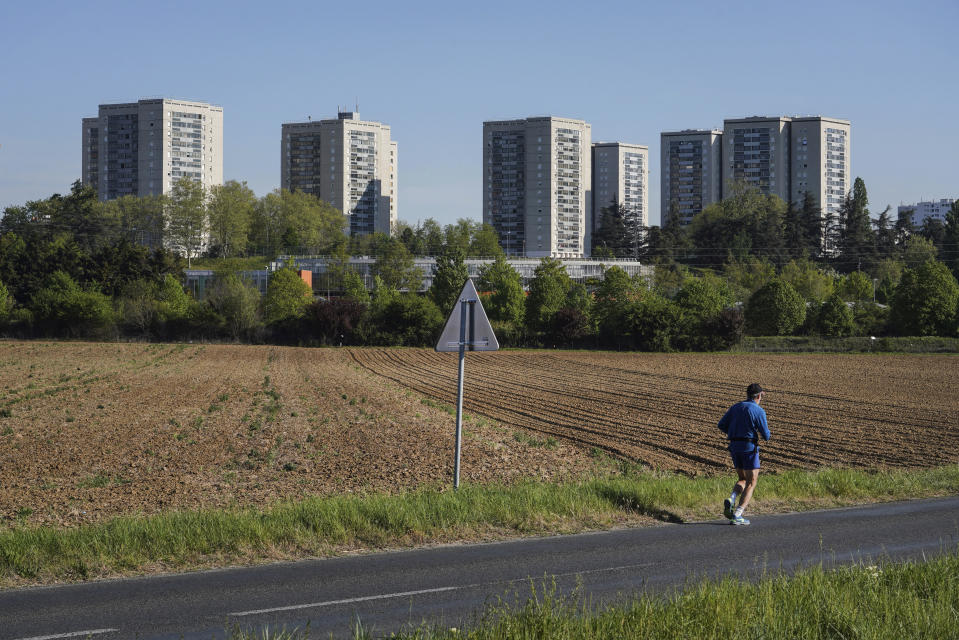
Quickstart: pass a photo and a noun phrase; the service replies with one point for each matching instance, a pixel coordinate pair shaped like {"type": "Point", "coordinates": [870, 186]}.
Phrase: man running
{"type": "Point", "coordinates": [743, 423]}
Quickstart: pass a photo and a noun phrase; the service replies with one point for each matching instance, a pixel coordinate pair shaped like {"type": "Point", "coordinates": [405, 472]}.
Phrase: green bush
{"type": "Point", "coordinates": [835, 318]}
{"type": "Point", "coordinates": [62, 308]}
{"type": "Point", "coordinates": [925, 302]}
{"type": "Point", "coordinates": [776, 309]}
{"type": "Point", "coordinates": [406, 319]}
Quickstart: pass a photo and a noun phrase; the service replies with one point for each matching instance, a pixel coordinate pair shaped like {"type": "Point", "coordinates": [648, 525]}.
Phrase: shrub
{"type": "Point", "coordinates": [925, 302]}
{"type": "Point", "coordinates": [835, 318]}
{"type": "Point", "coordinates": [776, 309]}
{"type": "Point", "coordinates": [406, 319]}
{"type": "Point", "coordinates": [62, 308]}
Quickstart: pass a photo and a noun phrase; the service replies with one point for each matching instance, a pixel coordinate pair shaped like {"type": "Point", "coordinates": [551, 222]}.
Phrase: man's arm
{"type": "Point", "coordinates": [724, 423]}
{"type": "Point", "coordinates": [764, 427]}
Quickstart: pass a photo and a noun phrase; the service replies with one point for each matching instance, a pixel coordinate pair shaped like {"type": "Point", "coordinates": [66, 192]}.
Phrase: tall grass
{"type": "Point", "coordinates": [901, 600]}
{"type": "Point", "coordinates": [323, 526]}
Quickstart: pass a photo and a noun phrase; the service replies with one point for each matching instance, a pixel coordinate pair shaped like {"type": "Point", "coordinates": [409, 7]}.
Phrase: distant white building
{"type": "Point", "coordinates": [936, 209]}
{"type": "Point", "coordinates": [621, 175]}
{"type": "Point", "coordinates": [348, 162]}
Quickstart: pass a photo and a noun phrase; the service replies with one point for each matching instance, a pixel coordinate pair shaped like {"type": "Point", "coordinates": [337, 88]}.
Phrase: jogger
{"type": "Point", "coordinates": [743, 425]}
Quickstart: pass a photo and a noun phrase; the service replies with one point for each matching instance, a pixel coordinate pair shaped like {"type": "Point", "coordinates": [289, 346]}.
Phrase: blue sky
{"type": "Point", "coordinates": [434, 71]}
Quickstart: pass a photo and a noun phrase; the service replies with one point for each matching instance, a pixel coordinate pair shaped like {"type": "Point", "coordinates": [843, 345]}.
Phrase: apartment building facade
{"type": "Point", "coordinates": [691, 171]}
{"type": "Point", "coordinates": [348, 162]}
{"type": "Point", "coordinates": [928, 210]}
{"type": "Point", "coordinates": [141, 148]}
{"type": "Point", "coordinates": [537, 186]}
{"type": "Point", "coordinates": [820, 161]}
{"type": "Point", "coordinates": [621, 176]}
{"type": "Point", "coordinates": [756, 152]}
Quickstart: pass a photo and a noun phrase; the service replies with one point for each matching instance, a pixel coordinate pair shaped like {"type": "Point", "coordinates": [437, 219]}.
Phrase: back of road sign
{"type": "Point", "coordinates": [479, 332]}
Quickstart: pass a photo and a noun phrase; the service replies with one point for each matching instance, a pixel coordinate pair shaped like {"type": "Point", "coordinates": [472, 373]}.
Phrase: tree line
{"type": "Point", "coordinates": [749, 265]}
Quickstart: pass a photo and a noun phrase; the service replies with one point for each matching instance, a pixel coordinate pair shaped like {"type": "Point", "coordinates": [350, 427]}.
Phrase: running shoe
{"type": "Point", "coordinates": [739, 520]}
{"type": "Point", "coordinates": [729, 508]}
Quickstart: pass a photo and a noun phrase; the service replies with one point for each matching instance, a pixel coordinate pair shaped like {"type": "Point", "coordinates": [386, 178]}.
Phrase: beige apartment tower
{"type": "Point", "coordinates": [756, 152]}
{"type": "Point", "coordinates": [821, 161]}
{"type": "Point", "coordinates": [347, 162]}
{"type": "Point", "coordinates": [141, 148]}
{"type": "Point", "coordinates": [691, 168]}
{"type": "Point", "coordinates": [537, 186]}
{"type": "Point", "coordinates": [621, 175]}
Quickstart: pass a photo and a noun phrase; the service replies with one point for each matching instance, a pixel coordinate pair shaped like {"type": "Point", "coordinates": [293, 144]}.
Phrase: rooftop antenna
{"type": "Point", "coordinates": [357, 104]}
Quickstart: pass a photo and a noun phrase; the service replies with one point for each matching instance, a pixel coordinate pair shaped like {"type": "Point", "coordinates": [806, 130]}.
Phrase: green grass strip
{"type": "Point", "coordinates": [323, 526]}
{"type": "Point", "coordinates": [887, 600]}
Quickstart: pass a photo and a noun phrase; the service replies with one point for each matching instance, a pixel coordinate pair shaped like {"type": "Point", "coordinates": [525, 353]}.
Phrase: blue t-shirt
{"type": "Point", "coordinates": [744, 419]}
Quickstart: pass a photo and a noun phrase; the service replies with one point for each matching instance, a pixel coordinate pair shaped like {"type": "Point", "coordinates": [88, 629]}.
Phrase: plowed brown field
{"type": "Point", "coordinates": [88, 431]}
{"type": "Point", "coordinates": [662, 409]}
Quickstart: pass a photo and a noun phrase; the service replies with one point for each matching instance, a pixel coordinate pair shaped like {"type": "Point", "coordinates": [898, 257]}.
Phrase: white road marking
{"type": "Point", "coordinates": [72, 634]}
{"type": "Point", "coordinates": [404, 594]}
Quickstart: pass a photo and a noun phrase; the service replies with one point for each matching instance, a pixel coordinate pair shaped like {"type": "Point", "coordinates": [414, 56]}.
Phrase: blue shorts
{"type": "Point", "coordinates": [746, 460]}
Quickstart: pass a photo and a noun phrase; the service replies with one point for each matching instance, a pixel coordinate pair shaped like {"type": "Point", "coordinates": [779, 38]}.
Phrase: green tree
{"type": "Point", "coordinates": [506, 302]}
{"type": "Point", "coordinates": [485, 243]}
{"type": "Point", "coordinates": [856, 287]}
{"type": "Point", "coordinates": [405, 319]}
{"type": "Point", "coordinates": [450, 276]}
{"type": "Point", "coordinates": [776, 309]}
{"type": "Point", "coordinates": [186, 217]}
{"type": "Point", "coordinates": [287, 296]}
{"type": "Point", "coordinates": [887, 273]}
{"type": "Point", "coordinates": [62, 308]}
{"type": "Point", "coordinates": [885, 236]}
{"type": "Point", "coordinates": [354, 288]}
{"type": "Point", "coordinates": [459, 235]}
{"type": "Point", "coordinates": [173, 303]}
{"type": "Point", "coordinates": [745, 277]}
{"type": "Point", "coordinates": [547, 293]}
{"type": "Point", "coordinates": [612, 234]}
{"type": "Point", "coordinates": [925, 302]}
{"type": "Point", "coordinates": [814, 224]}
{"type": "Point", "coordinates": [6, 304]}
{"type": "Point", "coordinates": [433, 238]}
{"type": "Point", "coordinates": [857, 241]}
{"type": "Point", "coordinates": [137, 306]}
{"type": "Point", "coordinates": [396, 267]}
{"type": "Point", "coordinates": [808, 279]}
{"type": "Point", "coordinates": [231, 216]}
{"type": "Point", "coordinates": [138, 220]}
{"type": "Point", "coordinates": [234, 305]}
{"type": "Point", "coordinates": [612, 306]}
{"type": "Point", "coordinates": [835, 318]}
{"type": "Point", "coordinates": [653, 323]}
{"type": "Point", "coordinates": [704, 297]}
{"type": "Point", "coordinates": [950, 239]}
{"type": "Point", "coordinates": [917, 251]}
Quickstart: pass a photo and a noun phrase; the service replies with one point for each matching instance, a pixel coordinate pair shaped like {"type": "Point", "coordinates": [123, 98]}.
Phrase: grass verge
{"type": "Point", "coordinates": [887, 600]}
{"type": "Point", "coordinates": [327, 526]}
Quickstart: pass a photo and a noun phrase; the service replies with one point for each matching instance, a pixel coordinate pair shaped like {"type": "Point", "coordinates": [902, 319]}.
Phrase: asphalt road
{"type": "Point", "coordinates": [452, 585]}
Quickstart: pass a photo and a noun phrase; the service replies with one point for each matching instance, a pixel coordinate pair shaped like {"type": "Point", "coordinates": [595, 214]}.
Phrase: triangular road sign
{"type": "Point", "coordinates": [479, 332]}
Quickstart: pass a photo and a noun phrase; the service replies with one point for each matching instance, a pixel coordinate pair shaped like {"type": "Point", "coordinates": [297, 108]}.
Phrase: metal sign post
{"type": "Point", "coordinates": [474, 333]}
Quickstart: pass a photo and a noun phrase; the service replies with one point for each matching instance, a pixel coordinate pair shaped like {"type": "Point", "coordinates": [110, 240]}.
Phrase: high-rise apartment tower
{"type": "Point", "coordinates": [821, 161]}
{"type": "Point", "coordinates": [621, 175]}
{"type": "Point", "coordinates": [348, 162]}
{"type": "Point", "coordinates": [756, 152]}
{"type": "Point", "coordinates": [142, 148]}
{"type": "Point", "coordinates": [788, 156]}
{"type": "Point", "coordinates": [537, 185]}
{"type": "Point", "coordinates": [691, 169]}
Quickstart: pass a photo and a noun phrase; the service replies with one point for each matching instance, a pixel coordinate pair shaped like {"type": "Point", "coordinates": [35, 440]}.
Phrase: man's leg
{"type": "Point", "coordinates": [729, 505]}
{"type": "Point", "coordinates": [748, 478]}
